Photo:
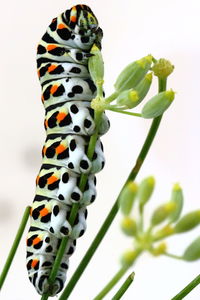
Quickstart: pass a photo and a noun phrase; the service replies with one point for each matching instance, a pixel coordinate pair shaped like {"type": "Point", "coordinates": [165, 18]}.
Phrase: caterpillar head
{"type": "Point", "coordinates": [82, 16]}
{"type": "Point", "coordinates": [82, 20]}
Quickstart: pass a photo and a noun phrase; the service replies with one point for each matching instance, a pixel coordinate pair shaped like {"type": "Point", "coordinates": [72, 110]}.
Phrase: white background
{"type": "Point", "coordinates": [132, 29]}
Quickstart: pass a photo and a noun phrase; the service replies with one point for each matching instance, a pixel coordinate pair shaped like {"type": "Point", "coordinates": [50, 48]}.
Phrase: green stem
{"type": "Point", "coordinates": [124, 112]}
{"type": "Point", "coordinates": [187, 289]}
{"type": "Point", "coordinates": [124, 287]}
{"type": "Point", "coordinates": [113, 212]}
{"type": "Point", "coordinates": [173, 256]}
{"type": "Point", "coordinates": [111, 283]}
{"type": "Point", "coordinates": [111, 97]}
{"type": "Point", "coordinates": [118, 275]}
{"type": "Point", "coordinates": [14, 246]}
{"type": "Point", "coordinates": [74, 210]}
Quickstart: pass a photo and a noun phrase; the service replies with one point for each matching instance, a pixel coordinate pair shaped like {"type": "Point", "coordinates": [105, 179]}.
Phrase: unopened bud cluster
{"type": "Point", "coordinates": [132, 85]}
{"type": "Point", "coordinates": [132, 201]}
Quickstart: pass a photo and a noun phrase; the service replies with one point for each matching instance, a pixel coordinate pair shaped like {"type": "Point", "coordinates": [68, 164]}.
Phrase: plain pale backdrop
{"type": "Point", "coordinates": [132, 29]}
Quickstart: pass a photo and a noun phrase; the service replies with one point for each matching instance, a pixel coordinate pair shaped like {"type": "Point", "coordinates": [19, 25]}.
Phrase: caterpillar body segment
{"type": "Point", "coordinates": [67, 91]}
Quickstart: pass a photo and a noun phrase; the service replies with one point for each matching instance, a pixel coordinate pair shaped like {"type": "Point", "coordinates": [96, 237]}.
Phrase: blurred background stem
{"type": "Point", "coordinates": [14, 246]}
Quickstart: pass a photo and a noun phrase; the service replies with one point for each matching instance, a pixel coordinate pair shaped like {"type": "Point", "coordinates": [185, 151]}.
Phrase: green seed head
{"type": "Point", "coordinates": [160, 249]}
{"type": "Point", "coordinates": [96, 65]}
{"type": "Point", "coordinates": [162, 68]}
{"type": "Point", "coordinates": [145, 190]}
{"type": "Point", "coordinates": [192, 252]}
{"type": "Point", "coordinates": [128, 257]}
{"type": "Point", "coordinates": [129, 226]}
{"type": "Point", "coordinates": [143, 62]}
{"type": "Point", "coordinates": [188, 222]}
{"type": "Point", "coordinates": [158, 104]}
{"type": "Point", "coordinates": [163, 232]}
{"type": "Point", "coordinates": [162, 213]}
{"type": "Point", "coordinates": [177, 198]}
{"type": "Point", "coordinates": [128, 98]}
{"type": "Point", "coordinates": [132, 74]}
{"type": "Point", "coordinates": [127, 197]}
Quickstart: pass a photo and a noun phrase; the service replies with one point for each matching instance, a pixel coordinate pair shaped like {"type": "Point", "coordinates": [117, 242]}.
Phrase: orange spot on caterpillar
{"type": "Point", "coordinates": [44, 149]}
{"type": "Point", "coordinates": [51, 47]}
{"type": "Point", "coordinates": [60, 116]}
{"type": "Point", "coordinates": [52, 179]}
{"type": "Point", "coordinates": [36, 240]}
{"type": "Point", "coordinates": [60, 149]}
{"type": "Point", "coordinates": [73, 19]}
{"type": "Point", "coordinates": [34, 263]}
{"type": "Point", "coordinates": [44, 212]}
{"type": "Point", "coordinates": [46, 123]}
{"type": "Point", "coordinates": [37, 179]}
{"type": "Point", "coordinates": [38, 72]}
{"type": "Point", "coordinates": [42, 98]}
{"type": "Point", "coordinates": [31, 210]}
{"type": "Point", "coordinates": [51, 68]}
{"type": "Point", "coordinates": [61, 26]}
{"type": "Point", "coordinates": [53, 89]}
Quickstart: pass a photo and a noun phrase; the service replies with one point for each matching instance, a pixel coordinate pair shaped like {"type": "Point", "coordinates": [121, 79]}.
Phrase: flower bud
{"type": "Point", "coordinates": [128, 257]}
{"type": "Point", "coordinates": [157, 105]}
{"type": "Point", "coordinates": [162, 68]}
{"type": "Point", "coordinates": [160, 249]}
{"type": "Point", "coordinates": [192, 252]}
{"type": "Point", "coordinates": [162, 213]}
{"type": "Point", "coordinates": [127, 197]}
{"type": "Point", "coordinates": [132, 97]}
{"type": "Point", "coordinates": [129, 226]}
{"type": "Point", "coordinates": [96, 65]}
{"type": "Point", "coordinates": [177, 198]}
{"type": "Point", "coordinates": [163, 232]}
{"type": "Point", "coordinates": [145, 190]}
{"type": "Point", "coordinates": [188, 222]}
{"type": "Point", "coordinates": [133, 74]}
{"type": "Point", "coordinates": [128, 98]}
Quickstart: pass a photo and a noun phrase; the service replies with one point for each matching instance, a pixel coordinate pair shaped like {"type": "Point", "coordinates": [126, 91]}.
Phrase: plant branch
{"type": "Point", "coordinates": [124, 112]}
{"type": "Point", "coordinates": [14, 246]}
{"type": "Point", "coordinates": [124, 287]}
{"type": "Point", "coordinates": [111, 283]}
{"type": "Point", "coordinates": [187, 289]}
{"type": "Point", "coordinates": [173, 256]}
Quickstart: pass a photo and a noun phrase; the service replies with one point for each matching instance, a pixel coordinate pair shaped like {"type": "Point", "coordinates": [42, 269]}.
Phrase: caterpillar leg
{"type": "Point", "coordinates": [41, 251]}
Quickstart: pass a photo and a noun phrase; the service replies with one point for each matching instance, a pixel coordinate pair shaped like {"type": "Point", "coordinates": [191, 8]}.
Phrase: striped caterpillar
{"type": "Point", "coordinates": [67, 90]}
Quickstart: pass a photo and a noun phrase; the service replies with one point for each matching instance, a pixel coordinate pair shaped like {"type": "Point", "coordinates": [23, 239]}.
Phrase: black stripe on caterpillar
{"type": "Point", "coordinates": [67, 90]}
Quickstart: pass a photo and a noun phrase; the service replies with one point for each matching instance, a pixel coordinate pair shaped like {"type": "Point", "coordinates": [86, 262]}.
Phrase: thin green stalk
{"type": "Point", "coordinates": [118, 276]}
{"type": "Point", "coordinates": [14, 246]}
{"type": "Point", "coordinates": [111, 283]}
{"type": "Point", "coordinates": [173, 256]}
{"type": "Point", "coordinates": [124, 287]}
{"type": "Point", "coordinates": [124, 112]}
{"type": "Point", "coordinates": [111, 97]}
{"type": "Point", "coordinates": [187, 289]}
{"type": "Point", "coordinates": [74, 210]}
{"type": "Point", "coordinates": [113, 212]}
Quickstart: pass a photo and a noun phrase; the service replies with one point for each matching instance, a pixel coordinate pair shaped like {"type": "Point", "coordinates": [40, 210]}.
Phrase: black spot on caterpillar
{"type": "Point", "coordinates": [67, 90]}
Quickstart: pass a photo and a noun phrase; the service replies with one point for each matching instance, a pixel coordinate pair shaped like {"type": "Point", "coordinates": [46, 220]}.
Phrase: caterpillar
{"type": "Point", "coordinates": [67, 91]}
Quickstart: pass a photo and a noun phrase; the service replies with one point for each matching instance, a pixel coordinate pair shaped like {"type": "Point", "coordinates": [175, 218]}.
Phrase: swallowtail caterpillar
{"type": "Point", "coordinates": [67, 91]}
